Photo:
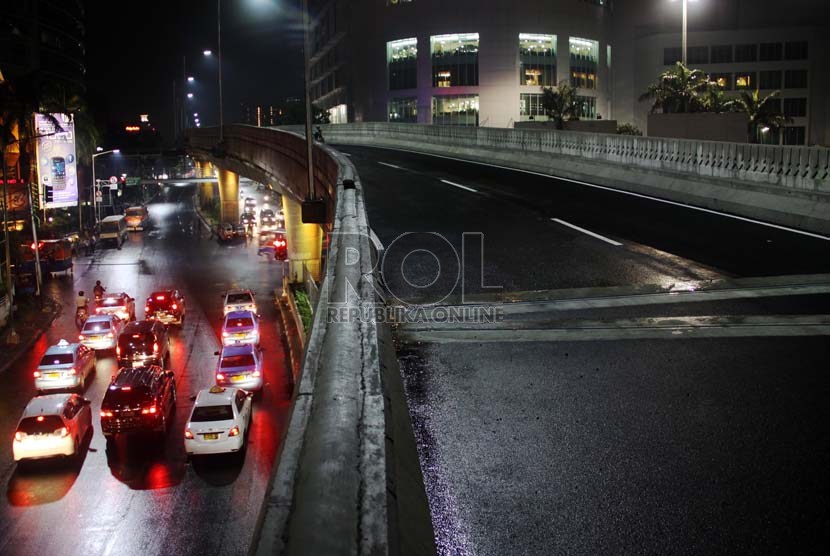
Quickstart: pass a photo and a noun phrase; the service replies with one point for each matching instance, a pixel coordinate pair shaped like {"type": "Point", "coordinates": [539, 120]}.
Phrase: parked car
{"type": "Point", "coordinates": [219, 422]}
{"type": "Point", "coordinates": [64, 366]}
{"type": "Point", "coordinates": [137, 400]}
{"type": "Point", "coordinates": [52, 425]}
{"type": "Point", "coordinates": [142, 343]}
{"type": "Point", "coordinates": [100, 332]}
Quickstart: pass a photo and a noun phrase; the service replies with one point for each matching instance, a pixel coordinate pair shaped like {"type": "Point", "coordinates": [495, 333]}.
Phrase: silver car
{"type": "Point", "coordinates": [100, 332]}
{"type": "Point", "coordinates": [64, 366]}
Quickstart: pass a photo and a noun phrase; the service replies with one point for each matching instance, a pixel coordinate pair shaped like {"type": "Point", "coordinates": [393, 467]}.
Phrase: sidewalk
{"type": "Point", "coordinates": [30, 322]}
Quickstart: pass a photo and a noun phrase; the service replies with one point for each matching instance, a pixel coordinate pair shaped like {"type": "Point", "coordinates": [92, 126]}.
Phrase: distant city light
{"type": "Point", "coordinates": [207, 52]}
{"type": "Point", "coordinates": [195, 114]}
{"type": "Point", "coordinates": [116, 151]}
{"type": "Point", "coordinates": [145, 118]}
{"type": "Point", "coordinates": [99, 149]}
{"type": "Point", "coordinates": [191, 79]}
{"type": "Point", "coordinates": [189, 95]}
{"type": "Point", "coordinates": [132, 128]}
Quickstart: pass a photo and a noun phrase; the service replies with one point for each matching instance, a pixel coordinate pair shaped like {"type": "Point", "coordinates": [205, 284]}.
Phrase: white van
{"type": "Point", "coordinates": [114, 228]}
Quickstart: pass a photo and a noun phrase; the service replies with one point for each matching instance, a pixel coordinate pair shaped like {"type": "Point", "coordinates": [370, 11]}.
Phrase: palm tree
{"type": "Point", "coordinates": [678, 90]}
{"type": "Point", "coordinates": [763, 113]}
{"type": "Point", "coordinates": [715, 100]}
{"type": "Point", "coordinates": [560, 104]}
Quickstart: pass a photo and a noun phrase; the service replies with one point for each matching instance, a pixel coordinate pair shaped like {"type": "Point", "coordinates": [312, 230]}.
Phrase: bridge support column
{"type": "Point", "coordinates": [305, 242]}
{"type": "Point", "coordinates": [229, 195]}
{"type": "Point", "coordinates": [207, 193]}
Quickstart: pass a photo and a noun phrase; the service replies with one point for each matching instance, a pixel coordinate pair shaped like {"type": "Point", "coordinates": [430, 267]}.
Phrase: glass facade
{"type": "Point", "coordinates": [746, 53]}
{"type": "Point", "coordinates": [795, 79]}
{"type": "Point", "coordinates": [794, 135]}
{"type": "Point", "coordinates": [770, 79]}
{"type": "Point", "coordinates": [455, 60]}
{"type": "Point", "coordinates": [537, 60]}
{"type": "Point", "coordinates": [795, 107]}
{"type": "Point", "coordinates": [402, 62]}
{"type": "Point", "coordinates": [455, 110]}
{"type": "Point", "coordinates": [403, 110]}
{"type": "Point", "coordinates": [586, 108]}
{"type": "Point", "coordinates": [722, 54]}
{"type": "Point", "coordinates": [584, 55]}
{"type": "Point", "coordinates": [531, 109]}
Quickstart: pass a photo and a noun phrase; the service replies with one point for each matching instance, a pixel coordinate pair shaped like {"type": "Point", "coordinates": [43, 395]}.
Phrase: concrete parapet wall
{"type": "Point", "coordinates": [789, 186]}
{"type": "Point", "coordinates": [729, 126]}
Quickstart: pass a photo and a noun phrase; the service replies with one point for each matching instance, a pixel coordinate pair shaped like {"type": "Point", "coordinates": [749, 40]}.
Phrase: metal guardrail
{"type": "Point", "coordinates": [805, 169]}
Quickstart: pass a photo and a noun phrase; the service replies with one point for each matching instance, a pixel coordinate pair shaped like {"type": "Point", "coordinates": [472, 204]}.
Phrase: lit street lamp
{"type": "Point", "coordinates": [207, 52]}
{"type": "Point", "coordinates": [189, 95]}
{"type": "Point", "coordinates": [95, 185]}
{"type": "Point", "coordinates": [191, 79]}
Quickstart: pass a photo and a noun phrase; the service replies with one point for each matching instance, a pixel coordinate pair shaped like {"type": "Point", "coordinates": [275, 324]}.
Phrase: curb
{"type": "Point", "coordinates": [29, 343]}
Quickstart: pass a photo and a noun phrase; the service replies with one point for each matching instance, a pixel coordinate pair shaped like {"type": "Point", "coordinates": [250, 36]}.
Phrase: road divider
{"type": "Point", "coordinates": [587, 232]}
{"type": "Point", "coordinates": [458, 185]}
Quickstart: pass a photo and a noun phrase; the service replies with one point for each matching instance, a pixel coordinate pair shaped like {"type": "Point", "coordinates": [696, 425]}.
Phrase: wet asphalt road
{"type": "Point", "coordinates": [680, 446]}
{"type": "Point", "coordinates": [142, 498]}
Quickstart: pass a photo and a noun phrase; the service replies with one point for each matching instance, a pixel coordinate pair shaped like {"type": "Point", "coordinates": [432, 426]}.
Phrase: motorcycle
{"type": "Point", "coordinates": [81, 315]}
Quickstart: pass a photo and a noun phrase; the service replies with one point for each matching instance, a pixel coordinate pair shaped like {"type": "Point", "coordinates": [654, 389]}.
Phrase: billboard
{"type": "Point", "coordinates": [56, 163]}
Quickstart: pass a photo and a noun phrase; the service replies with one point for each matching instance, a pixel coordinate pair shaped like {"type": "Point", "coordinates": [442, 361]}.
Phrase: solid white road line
{"type": "Point", "coordinates": [390, 165]}
{"type": "Point", "coordinates": [621, 191]}
{"type": "Point", "coordinates": [584, 231]}
{"type": "Point", "coordinates": [452, 183]}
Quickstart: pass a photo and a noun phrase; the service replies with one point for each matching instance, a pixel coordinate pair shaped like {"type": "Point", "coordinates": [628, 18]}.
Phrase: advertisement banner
{"type": "Point", "coordinates": [56, 162]}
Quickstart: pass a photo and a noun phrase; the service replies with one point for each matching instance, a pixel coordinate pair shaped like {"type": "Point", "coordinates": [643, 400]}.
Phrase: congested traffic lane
{"type": "Point", "coordinates": [142, 497]}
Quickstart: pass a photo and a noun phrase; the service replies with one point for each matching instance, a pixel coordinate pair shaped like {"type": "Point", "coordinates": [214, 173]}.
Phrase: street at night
{"type": "Point", "coordinates": [141, 497]}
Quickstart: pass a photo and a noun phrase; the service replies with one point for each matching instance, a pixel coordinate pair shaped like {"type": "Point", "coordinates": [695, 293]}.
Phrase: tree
{"type": "Point", "coordinates": [678, 90]}
{"type": "Point", "coordinates": [715, 100]}
{"type": "Point", "coordinates": [560, 104]}
{"type": "Point", "coordinates": [763, 113]}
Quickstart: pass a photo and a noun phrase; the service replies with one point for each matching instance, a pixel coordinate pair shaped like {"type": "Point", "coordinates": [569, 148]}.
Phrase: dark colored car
{"type": "Point", "coordinates": [247, 218]}
{"type": "Point", "coordinates": [166, 306]}
{"type": "Point", "coordinates": [143, 343]}
{"type": "Point", "coordinates": [140, 399]}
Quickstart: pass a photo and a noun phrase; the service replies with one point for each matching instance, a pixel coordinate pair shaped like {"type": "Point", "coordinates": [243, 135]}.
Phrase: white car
{"type": "Point", "coordinates": [239, 300]}
{"type": "Point", "coordinates": [100, 332]}
{"type": "Point", "coordinates": [52, 425]}
{"type": "Point", "coordinates": [219, 422]}
{"type": "Point", "coordinates": [64, 366]}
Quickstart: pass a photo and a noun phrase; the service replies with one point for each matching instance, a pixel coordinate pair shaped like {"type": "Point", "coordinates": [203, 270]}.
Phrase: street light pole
{"type": "Point", "coordinates": [219, 55]}
{"type": "Point", "coordinates": [95, 187]}
{"type": "Point", "coordinates": [308, 110]}
{"type": "Point", "coordinates": [685, 21]}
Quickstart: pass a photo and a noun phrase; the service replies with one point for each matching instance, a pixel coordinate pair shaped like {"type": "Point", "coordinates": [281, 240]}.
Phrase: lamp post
{"type": "Point", "coordinates": [685, 28]}
{"type": "Point", "coordinates": [96, 186]}
{"type": "Point", "coordinates": [219, 56]}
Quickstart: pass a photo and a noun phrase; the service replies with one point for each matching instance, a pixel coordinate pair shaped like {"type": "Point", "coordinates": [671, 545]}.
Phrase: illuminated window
{"type": "Point", "coordinates": [745, 80]}
{"type": "Point", "coordinates": [454, 60]}
{"type": "Point", "coordinates": [584, 54]}
{"type": "Point", "coordinates": [455, 110]}
{"type": "Point", "coordinates": [531, 109]}
{"type": "Point", "coordinates": [403, 110]}
{"type": "Point", "coordinates": [402, 62]}
{"type": "Point", "coordinates": [724, 80]}
{"type": "Point", "coordinates": [537, 57]}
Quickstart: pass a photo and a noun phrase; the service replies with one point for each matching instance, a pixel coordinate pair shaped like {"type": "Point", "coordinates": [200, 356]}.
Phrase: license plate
{"type": "Point", "coordinates": [212, 436]}
{"type": "Point", "coordinates": [126, 414]}
{"type": "Point", "coordinates": [238, 378]}
{"type": "Point", "coordinates": [94, 338]}
{"type": "Point", "coordinates": [53, 375]}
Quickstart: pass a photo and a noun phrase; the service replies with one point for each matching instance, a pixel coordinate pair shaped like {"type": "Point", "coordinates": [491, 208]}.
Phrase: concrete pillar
{"type": "Point", "coordinates": [207, 193]}
{"type": "Point", "coordinates": [229, 195]}
{"type": "Point", "coordinates": [198, 165]}
{"type": "Point", "coordinates": [304, 242]}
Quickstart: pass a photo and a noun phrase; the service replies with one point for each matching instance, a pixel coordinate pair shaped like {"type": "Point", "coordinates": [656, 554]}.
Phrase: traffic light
{"type": "Point", "coordinates": [34, 196]}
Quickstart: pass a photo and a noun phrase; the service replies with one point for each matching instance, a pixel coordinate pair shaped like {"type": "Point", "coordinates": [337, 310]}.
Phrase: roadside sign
{"type": "Point", "coordinates": [133, 181]}
{"type": "Point", "coordinates": [99, 197]}
{"type": "Point", "coordinates": [113, 180]}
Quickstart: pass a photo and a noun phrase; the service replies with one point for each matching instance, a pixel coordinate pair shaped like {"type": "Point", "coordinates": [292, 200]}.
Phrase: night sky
{"type": "Point", "coordinates": [135, 48]}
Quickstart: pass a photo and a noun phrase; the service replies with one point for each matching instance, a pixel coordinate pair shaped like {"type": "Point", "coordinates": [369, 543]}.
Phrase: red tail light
{"type": "Point", "coordinates": [36, 374]}
{"type": "Point", "coordinates": [220, 376]}
{"type": "Point", "coordinates": [175, 306]}
{"type": "Point", "coordinates": [106, 413]}
{"type": "Point", "coordinates": [149, 410]}
{"type": "Point", "coordinates": [18, 436]}
{"type": "Point", "coordinates": [110, 335]}
{"type": "Point", "coordinates": [234, 431]}
{"type": "Point", "coordinates": [99, 309]}
{"type": "Point", "coordinates": [188, 434]}
{"type": "Point", "coordinates": [147, 309]}
{"type": "Point", "coordinates": [63, 432]}
{"type": "Point", "coordinates": [81, 337]}
{"type": "Point", "coordinates": [117, 350]}
{"type": "Point", "coordinates": [255, 373]}
{"type": "Point", "coordinates": [72, 371]}
{"type": "Point", "coordinates": [155, 347]}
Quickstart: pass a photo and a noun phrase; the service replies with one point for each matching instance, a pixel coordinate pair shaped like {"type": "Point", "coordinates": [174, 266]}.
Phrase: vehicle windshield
{"type": "Point", "coordinates": [42, 424]}
{"type": "Point", "coordinates": [112, 301]}
{"type": "Point", "coordinates": [239, 298]}
{"type": "Point", "coordinates": [203, 413]}
{"type": "Point", "coordinates": [98, 326]}
{"type": "Point", "coordinates": [135, 212]}
{"type": "Point", "coordinates": [239, 322]}
{"type": "Point", "coordinates": [245, 360]}
{"type": "Point", "coordinates": [57, 359]}
{"type": "Point", "coordinates": [111, 226]}
{"type": "Point", "coordinates": [159, 300]}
